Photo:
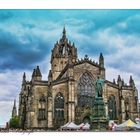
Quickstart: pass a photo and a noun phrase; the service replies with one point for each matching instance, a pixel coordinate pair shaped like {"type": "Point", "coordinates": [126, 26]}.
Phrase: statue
{"type": "Point", "coordinates": [99, 87]}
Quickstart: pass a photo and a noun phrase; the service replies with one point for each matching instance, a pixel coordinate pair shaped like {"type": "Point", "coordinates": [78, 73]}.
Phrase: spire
{"type": "Point", "coordinates": [62, 50]}
{"type": "Point", "coordinates": [24, 78]}
{"type": "Point", "coordinates": [64, 33]}
{"type": "Point", "coordinates": [114, 81]}
{"type": "Point", "coordinates": [101, 60]}
{"type": "Point", "coordinates": [131, 81]}
{"type": "Point", "coordinates": [101, 56]}
{"type": "Point", "coordinates": [38, 73]}
{"type": "Point", "coordinates": [34, 73]}
{"type": "Point", "coordinates": [119, 82]}
{"type": "Point", "coordinates": [14, 104]}
{"type": "Point", "coordinates": [14, 111]}
{"type": "Point", "coordinates": [119, 78]}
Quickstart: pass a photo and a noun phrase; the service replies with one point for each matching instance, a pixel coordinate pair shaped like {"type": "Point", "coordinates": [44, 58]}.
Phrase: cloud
{"type": "Point", "coordinates": [122, 49]}
{"type": "Point", "coordinates": [5, 15]}
{"type": "Point", "coordinates": [21, 50]}
{"type": "Point", "coordinates": [129, 26]}
{"type": "Point", "coordinates": [10, 85]}
{"type": "Point", "coordinates": [5, 112]}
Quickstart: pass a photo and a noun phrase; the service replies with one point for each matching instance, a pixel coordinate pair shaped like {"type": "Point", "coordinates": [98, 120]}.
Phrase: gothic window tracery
{"type": "Point", "coordinates": [86, 91]}
{"type": "Point", "coordinates": [59, 106]}
{"type": "Point", "coordinates": [112, 107]}
{"type": "Point", "coordinates": [126, 102]}
{"type": "Point", "coordinates": [42, 108]}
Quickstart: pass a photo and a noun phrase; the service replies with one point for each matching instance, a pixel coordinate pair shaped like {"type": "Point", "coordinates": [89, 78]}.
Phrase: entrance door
{"type": "Point", "coordinates": [86, 120]}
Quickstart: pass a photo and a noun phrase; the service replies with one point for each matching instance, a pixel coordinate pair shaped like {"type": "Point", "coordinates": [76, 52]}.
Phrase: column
{"type": "Point", "coordinates": [49, 113]}
{"type": "Point", "coordinates": [123, 110]}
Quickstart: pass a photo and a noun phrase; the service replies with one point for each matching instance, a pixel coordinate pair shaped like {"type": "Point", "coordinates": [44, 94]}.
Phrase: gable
{"type": "Point", "coordinates": [86, 67]}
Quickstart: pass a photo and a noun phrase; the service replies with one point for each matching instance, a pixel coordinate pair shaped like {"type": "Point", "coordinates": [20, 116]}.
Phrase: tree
{"type": "Point", "coordinates": [14, 122]}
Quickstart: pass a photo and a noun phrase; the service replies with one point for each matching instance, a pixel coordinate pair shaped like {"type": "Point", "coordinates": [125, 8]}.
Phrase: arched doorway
{"type": "Point", "coordinates": [86, 119]}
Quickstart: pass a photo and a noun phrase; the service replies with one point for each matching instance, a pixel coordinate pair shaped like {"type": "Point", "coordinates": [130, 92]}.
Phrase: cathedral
{"type": "Point", "coordinates": [69, 93]}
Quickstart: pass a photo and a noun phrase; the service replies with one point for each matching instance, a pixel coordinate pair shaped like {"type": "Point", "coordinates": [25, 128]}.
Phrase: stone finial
{"type": "Point", "coordinates": [34, 73]}
{"type": "Point", "coordinates": [86, 57]}
{"type": "Point", "coordinates": [38, 73]}
{"type": "Point", "coordinates": [114, 81]}
{"type": "Point", "coordinates": [119, 78]}
{"type": "Point", "coordinates": [14, 111]}
{"type": "Point", "coordinates": [101, 60]}
{"type": "Point", "coordinates": [24, 78]}
{"type": "Point", "coordinates": [73, 44]}
{"type": "Point", "coordinates": [101, 56]}
{"type": "Point", "coordinates": [131, 81]}
{"type": "Point", "coordinates": [64, 33]}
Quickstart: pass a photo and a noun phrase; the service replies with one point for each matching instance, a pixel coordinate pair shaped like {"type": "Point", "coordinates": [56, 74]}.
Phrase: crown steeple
{"type": "Point", "coordinates": [64, 51]}
{"type": "Point", "coordinates": [64, 48]}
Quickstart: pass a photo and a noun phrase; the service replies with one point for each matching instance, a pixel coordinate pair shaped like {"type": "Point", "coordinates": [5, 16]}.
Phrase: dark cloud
{"type": "Point", "coordinates": [129, 26]}
{"type": "Point", "coordinates": [21, 53]}
{"type": "Point", "coordinates": [5, 15]}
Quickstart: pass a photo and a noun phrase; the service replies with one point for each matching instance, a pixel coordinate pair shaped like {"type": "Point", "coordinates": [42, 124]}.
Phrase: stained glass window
{"type": "Point", "coordinates": [42, 108]}
{"type": "Point", "coordinates": [86, 91]}
{"type": "Point", "coordinates": [59, 106]}
{"type": "Point", "coordinates": [112, 107]}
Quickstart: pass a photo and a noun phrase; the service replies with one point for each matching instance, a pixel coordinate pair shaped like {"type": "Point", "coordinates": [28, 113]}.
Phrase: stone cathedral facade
{"type": "Point", "coordinates": [69, 93]}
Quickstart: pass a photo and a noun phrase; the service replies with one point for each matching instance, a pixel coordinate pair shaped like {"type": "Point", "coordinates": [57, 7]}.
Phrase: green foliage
{"type": "Point", "coordinates": [14, 122]}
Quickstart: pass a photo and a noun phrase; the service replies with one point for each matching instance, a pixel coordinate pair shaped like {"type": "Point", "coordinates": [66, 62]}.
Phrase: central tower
{"type": "Point", "coordinates": [63, 51]}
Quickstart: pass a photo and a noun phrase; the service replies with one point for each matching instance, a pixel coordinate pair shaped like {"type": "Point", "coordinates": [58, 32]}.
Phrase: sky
{"type": "Point", "coordinates": [28, 36]}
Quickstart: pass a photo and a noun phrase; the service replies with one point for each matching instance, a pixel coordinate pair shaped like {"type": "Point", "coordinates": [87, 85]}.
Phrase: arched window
{"type": "Point", "coordinates": [59, 106]}
{"type": "Point", "coordinates": [112, 107]}
{"type": "Point", "coordinates": [126, 102]}
{"type": "Point", "coordinates": [86, 91]}
{"type": "Point", "coordinates": [42, 108]}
